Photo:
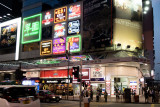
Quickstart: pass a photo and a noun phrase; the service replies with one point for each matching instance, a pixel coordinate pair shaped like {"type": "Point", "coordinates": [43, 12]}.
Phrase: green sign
{"type": "Point", "coordinates": [32, 29]}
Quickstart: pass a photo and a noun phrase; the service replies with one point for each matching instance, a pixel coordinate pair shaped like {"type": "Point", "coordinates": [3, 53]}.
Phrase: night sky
{"type": "Point", "coordinates": [156, 12]}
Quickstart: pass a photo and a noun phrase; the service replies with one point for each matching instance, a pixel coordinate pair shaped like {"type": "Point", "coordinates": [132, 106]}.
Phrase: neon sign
{"type": "Point", "coordinates": [74, 27]}
{"type": "Point", "coordinates": [46, 47]}
{"type": "Point", "coordinates": [74, 11]}
{"type": "Point", "coordinates": [32, 29]}
{"type": "Point", "coordinates": [59, 30]}
{"type": "Point", "coordinates": [59, 46]}
{"type": "Point", "coordinates": [47, 18]}
{"type": "Point", "coordinates": [60, 14]}
{"type": "Point", "coordinates": [74, 43]}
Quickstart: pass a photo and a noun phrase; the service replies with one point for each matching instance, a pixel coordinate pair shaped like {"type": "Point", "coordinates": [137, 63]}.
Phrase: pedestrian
{"type": "Point", "coordinates": [86, 93]}
{"type": "Point", "coordinates": [105, 96]}
{"type": "Point", "coordinates": [97, 96]}
{"type": "Point", "coordinates": [91, 95]}
{"type": "Point", "coordinates": [146, 96]}
{"type": "Point", "coordinates": [153, 96]}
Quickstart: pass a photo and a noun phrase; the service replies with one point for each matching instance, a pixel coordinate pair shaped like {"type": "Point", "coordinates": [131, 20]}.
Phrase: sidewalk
{"type": "Point", "coordinates": [111, 99]}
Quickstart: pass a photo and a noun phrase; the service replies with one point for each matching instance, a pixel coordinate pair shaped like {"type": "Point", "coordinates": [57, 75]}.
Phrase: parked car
{"type": "Point", "coordinates": [47, 96]}
{"type": "Point", "coordinates": [18, 96]}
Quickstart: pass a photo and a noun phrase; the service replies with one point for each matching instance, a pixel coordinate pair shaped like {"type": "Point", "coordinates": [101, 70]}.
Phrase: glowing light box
{"type": "Point", "coordinates": [59, 30]}
{"type": "Point", "coordinates": [47, 18]}
{"type": "Point", "coordinates": [74, 11]}
{"type": "Point", "coordinates": [74, 27]}
{"type": "Point", "coordinates": [73, 43]}
{"type": "Point", "coordinates": [60, 14]}
{"type": "Point", "coordinates": [32, 29]}
{"type": "Point", "coordinates": [59, 46]}
{"type": "Point", "coordinates": [46, 47]}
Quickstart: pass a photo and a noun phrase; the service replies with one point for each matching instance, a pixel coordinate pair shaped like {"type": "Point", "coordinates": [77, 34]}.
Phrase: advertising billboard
{"type": "Point", "coordinates": [96, 25]}
{"type": "Point", "coordinates": [10, 37]}
{"type": "Point", "coordinates": [74, 11]}
{"type": "Point", "coordinates": [127, 24]}
{"type": "Point", "coordinates": [74, 27]}
{"type": "Point", "coordinates": [97, 74]}
{"type": "Point", "coordinates": [32, 29]}
{"type": "Point", "coordinates": [46, 47]}
{"type": "Point", "coordinates": [60, 14]}
{"type": "Point", "coordinates": [59, 46]}
{"type": "Point", "coordinates": [47, 18]}
{"type": "Point", "coordinates": [73, 43]}
{"type": "Point", "coordinates": [59, 30]}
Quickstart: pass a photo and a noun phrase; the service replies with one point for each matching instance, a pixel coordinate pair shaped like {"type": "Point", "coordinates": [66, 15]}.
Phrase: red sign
{"type": "Point", "coordinates": [56, 73]}
{"type": "Point", "coordinates": [47, 18]}
{"type": "Point", "coordinates": [85, 74]}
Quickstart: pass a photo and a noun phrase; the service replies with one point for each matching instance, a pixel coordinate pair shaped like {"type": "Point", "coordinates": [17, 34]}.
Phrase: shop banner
{"type": "Point", "coordinates": [97, 74]}
{"type": "Point", "coordinates": [55, 73]}
{"type": "Point", "coordinates": [32, 74]}
{"type": "Point", "coordinates": [85, 74]}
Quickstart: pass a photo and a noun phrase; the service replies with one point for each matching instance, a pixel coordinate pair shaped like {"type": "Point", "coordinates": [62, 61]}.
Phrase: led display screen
{"type": "Point", "coordinates": [74, 27]}
{"type": "Point", "coordinates": [74, 11]}
{"type": "Point", "coordinates": [47, 32]}
{"type": "Point", "coordinates": [47, 18]}
{"type": "Point", "coordinates": [60, 14]}
{"type": "Point", "coordinates": [127, 23]}
{"type": "Point", "coordinates": [31, 29]}
{"type": "Point", "coordinates": [59, 30]}
{"type": "Point", "coordinates": [59, 46]}
{"type": "Point", "coordinates": [46, 47]}
{"type": "Point", "coordinates": [73, 43]}
{"type": "Point", "coordinates": [97, 23]}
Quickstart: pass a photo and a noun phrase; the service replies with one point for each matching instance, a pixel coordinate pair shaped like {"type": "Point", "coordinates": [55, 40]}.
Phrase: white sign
{"type": "Point", "coordinates": [97, 72]}
{"type": "Point", "coordinates": [32, 74]}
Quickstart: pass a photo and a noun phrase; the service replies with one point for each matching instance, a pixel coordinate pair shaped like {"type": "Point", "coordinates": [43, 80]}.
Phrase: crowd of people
{"type": "Point", "coordinates": [154, 94]}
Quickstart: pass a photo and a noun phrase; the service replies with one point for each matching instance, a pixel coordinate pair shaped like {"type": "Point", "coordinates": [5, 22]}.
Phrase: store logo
{"type": "Point", "coordinates": [48, 19]}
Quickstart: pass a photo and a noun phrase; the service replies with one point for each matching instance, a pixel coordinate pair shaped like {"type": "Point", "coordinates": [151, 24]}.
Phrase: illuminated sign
{"type": "Point", "coordinates": [59, 30]}
{"type": "Point", "coordinates": [73, 43]}
{"type": "Point", "coordinates": [46, 47]}
{"type": "Point", "coordinates": [74, 11]}
{"type": "Point", "coordinates": [47, 18]}
{"type": "Point", "coordinates": [32, 29]}
{"type": "Point", "coordinates": [60, 14]}
{"type": "Point", "coordinates": [59, 46]}
{"type": "Point", "coordinates": [74, 27]}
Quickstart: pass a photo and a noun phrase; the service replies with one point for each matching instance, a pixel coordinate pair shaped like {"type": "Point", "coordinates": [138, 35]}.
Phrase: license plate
{"type": "Point", "coordinates": [26, 102]}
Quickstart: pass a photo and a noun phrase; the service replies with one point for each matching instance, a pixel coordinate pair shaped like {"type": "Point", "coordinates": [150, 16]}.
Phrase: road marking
{"type": "Point", "coordinates": [152, 105]}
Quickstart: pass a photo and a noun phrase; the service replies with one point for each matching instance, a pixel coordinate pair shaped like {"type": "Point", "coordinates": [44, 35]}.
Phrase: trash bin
{"type": "Point", "coordinates": [86, 102]}
{"type": "Point", "coordinates": [136, 98]}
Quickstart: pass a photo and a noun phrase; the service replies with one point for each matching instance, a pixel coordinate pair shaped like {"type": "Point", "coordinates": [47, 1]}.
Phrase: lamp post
{"type": "Point", "coordinates": [68, 53]}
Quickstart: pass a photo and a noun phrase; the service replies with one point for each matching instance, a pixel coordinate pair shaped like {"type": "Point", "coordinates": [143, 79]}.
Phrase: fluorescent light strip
{"type": "Point", "coordinates": [5, 6]}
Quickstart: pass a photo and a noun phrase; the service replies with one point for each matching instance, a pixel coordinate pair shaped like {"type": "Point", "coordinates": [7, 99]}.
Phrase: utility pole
{"type": "Point", "coordinates": [68, 69]}
{"type": "Point", "coordinates": [80, 83]}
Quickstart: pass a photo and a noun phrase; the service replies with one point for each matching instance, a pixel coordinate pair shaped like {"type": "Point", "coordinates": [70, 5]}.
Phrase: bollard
{"type": "Point", "coordinates": [86, 102]}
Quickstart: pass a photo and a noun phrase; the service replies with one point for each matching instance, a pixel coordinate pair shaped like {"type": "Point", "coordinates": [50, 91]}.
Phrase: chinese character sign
{"type": "Point", "coordinates": [31, 29]}
{"type": "Point", "coordinates": [46, 47]}
{"type": "Point", "coordinates": [47, 18]}
{"type": "Point", "coordinates": [74, 27]}
{"type": "Point", "coordinates": [59, 30]}
{"type": "Point", "coordinates": [74, 11]}
{"type": "Point", "coordinates": [74, 43]}
{"type": "Point", "coordinates": [60, 14]}
{"type": "Point", "coordinates": [59, 46]}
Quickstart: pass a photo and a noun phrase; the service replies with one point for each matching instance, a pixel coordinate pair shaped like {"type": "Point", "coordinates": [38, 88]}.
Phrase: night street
{"type": "Point", "coordinates": [64, 103]}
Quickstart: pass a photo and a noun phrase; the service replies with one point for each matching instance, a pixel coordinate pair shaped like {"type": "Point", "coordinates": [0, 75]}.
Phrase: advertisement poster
{"type": "Point", "coordinates": [96, 25]}
{"type": "Point", "coordinates": [74, 27]}
{"type": "Point", "coordinates": [46, 47]}
{"type": "Point", "coordinates": [97, 74]}
{"type": "Point", "coordinates": [60, 14]}
{"type": "Point", "coordinates": [74, 11]}
{"type": "Point", "coordinates": [8, 37]}
{"type": "Point", "coordinates": [47, 18]}
{"type": "Point", "coordinates": [73, 43]}
{"type": "Point", "coordinates": [127, 23]}
{"type": "Point", "coordinates": [59, 46]}
{"type": "Point", "coordinates": [59, 30]}
{"type": "Point", "coordinates": [31, 29]}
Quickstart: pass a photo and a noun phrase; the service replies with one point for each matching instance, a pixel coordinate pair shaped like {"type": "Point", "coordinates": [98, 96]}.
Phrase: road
{"type": "Point", "coordinates": [64, 103]}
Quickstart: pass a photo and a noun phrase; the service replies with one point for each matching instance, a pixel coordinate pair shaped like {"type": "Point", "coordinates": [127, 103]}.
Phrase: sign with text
{"type": "Point", "coordinates": [74, 11]}
{"type": "Point", "coordinates": [73, 43]}
{"type": "Point", "coordinates": [74, 27]}
{"type": "Point", "coordinates": [59, 46]}
{"type": "Point", "coordinates": [46, 47]}
{"type": "Point", "coordinates": [59, 30]}
{"type": "Point", "coordinates": [60, 14]}
{"type": "Point", "coordinates": [31, 29]}
{"type": "Point", "coordinates": [47, 18]}
{"type": "Point", "coordinates": [97, 74]}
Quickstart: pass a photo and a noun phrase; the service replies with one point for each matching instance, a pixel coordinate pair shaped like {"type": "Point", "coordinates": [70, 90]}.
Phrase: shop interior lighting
{"type": "Point", "coordinates": [146, 8]}
{"type": "Point", "coordinates": [145, 12]}
{"type": "Point", "coordinates": [4, 16]}
{"type": "Point", "coordinates": [0, 17]}
{"type": "Point", "coordinates": [8, 14]}
{"type": "Point", "coordinates": [147, 2]}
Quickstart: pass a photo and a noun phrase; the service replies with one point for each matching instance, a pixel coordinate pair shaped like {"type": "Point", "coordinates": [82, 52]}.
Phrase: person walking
{"type": "Point", "coordinates": [146, 96]}
{"type": "Point", "coordinates": [86, 93]}
{"type": "Point", "coordinates": [97, 96]}
{"type": "Point", "coordinates": [105, 96]}
{"type": "Point", "coordinates": [153, 96]}
{"type": "Point", "coordinates": [91, 95]}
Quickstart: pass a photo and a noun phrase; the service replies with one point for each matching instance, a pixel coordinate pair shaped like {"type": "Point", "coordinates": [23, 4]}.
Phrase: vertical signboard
{"type": "Point", "coordinates": [60, 14]}
{"type": "Point", "coordinates": [31, 29]}
{"type": "Point", "coordinates": [74, 11]}
{"type": "Point", "coordinates": [47, 18]}
{"type": "Point", "coordinates": [59, 46]}
{"type": "Point", "coordinates": [59, 30]}
{"type": "Point", "coordinates": [46, 47]}
{"type": "Point", "coordinates": [74, 27]}
{"type": "Point", "coordinates": [127, 23]}
{"type": "Point", "coordinates": [73, 43]}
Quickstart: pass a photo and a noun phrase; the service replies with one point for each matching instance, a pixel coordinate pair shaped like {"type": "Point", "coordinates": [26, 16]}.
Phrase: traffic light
{"type": "Point", "coordinates": [76, 71]}
{"type": "Point", "coordinates": [19, 74]}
